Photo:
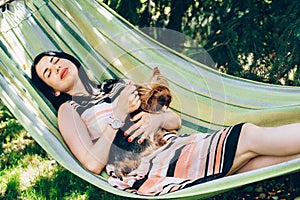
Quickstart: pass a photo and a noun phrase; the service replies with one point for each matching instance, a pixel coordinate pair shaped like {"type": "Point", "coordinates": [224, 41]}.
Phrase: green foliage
{"type": "Point", "coordinates": [258, 40]}
{"type": "Point", "coordinates": [15, 141]}
{"type": "Point", "coordinates": [8, 124]}
{"type": "Point", "coordinates": [13, 186]}
{"type": "Point", "coordinates": [253, 39]}
{"type": "Point", "coordinates": [127, 8]}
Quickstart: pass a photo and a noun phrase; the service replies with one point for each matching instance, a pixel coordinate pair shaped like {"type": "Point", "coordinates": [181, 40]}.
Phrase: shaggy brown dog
{"type": "Point", "coordinates": [155, 97]}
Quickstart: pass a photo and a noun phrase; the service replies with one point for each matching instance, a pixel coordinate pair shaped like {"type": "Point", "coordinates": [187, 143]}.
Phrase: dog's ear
{"type": "Point", "coordinates": [158, 78]}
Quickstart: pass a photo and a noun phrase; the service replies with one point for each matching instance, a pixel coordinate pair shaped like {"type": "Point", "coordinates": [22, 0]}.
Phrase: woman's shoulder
{"type": "Point", "coordinates": [67, 115]}
{"type": "Point", "coordinates": [66, 108]}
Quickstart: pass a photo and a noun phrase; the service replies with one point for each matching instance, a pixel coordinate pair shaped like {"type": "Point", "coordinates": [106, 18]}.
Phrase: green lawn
{"type": "Point", "coordinates": [28, 172]}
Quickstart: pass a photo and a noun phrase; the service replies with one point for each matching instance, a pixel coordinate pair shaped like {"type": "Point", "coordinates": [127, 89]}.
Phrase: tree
{"type": "Point", "coordinates": [254, 39]}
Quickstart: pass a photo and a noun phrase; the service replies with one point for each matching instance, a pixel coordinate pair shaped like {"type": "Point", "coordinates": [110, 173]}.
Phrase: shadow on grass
{"type": "Point", "coordinates": [285, 187]}
{"type": "Point", "coordinates": [65, 185]}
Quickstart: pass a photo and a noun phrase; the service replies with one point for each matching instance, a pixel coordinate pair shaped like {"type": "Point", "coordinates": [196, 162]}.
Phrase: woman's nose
{"type": "Point", "coordinates": [57, 68]}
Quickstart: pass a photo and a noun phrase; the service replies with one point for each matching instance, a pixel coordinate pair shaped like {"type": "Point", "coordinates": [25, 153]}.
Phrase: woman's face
{"type": "Point", "coordinates": [59, 73]}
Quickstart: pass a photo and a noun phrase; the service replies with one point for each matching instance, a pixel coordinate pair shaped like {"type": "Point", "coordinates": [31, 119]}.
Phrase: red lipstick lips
{"type": "Point", "coordinates": [63, 73]}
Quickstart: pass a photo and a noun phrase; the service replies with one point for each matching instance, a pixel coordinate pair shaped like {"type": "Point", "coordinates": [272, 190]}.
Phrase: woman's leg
{"type": "Point", "coordinates": [265, 161]}
{"type": "Point", "coordinates": [257, 141]}
{"type": "Point", "coordinates": [272, 141]}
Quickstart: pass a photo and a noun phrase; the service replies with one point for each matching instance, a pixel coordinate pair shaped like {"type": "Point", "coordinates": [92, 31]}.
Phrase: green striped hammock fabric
{"type": "Point", "coordinates": [108, 46]}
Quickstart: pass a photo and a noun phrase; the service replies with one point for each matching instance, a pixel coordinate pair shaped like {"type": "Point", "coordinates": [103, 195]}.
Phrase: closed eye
{"type": "Point", "coordinates": [49, 74]}
{"type": "Point", "coordinates": [55, 62]}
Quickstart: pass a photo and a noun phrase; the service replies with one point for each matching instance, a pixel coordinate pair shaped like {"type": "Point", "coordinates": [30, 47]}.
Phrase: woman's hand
{"type": "Point", "coordinates": [149, 124]}
{"type": "Point", "coordinates": [128, 102]}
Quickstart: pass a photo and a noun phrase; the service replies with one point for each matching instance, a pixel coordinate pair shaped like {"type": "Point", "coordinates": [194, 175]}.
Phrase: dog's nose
{"type": "Point", "coordinates": [162, 100]}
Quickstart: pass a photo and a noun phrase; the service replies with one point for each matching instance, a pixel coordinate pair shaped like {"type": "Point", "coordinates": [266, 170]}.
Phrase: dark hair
{"type": "Point", "coordinates": [46, 90]}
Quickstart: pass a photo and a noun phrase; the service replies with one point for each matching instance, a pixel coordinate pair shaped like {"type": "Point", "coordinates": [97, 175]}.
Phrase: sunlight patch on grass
{"type": "Point", "coordinates": [25, 173]}
{"type": "Point", "coordinates": [36, 168]}
{"type": "Point", "coordinates": [9, 181]}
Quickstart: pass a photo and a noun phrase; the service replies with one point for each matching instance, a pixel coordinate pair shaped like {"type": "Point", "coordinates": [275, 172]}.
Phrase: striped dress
{"type": "Point", "coordinates": [184, 161]}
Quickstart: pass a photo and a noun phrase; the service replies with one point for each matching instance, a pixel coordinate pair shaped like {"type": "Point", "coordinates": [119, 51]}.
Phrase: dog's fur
{"type": "Point", "coordinates": [155, 97]}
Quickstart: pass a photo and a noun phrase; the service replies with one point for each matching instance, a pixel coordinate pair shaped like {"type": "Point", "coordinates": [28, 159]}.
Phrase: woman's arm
{"type": "Point", "coordinates": [171, 121]}
{"type": "Point", "coordinates": [92, 156]}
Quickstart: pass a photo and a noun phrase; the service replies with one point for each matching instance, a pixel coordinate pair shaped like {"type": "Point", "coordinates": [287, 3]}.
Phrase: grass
{"type": "Point", "coordinates": [28, 172]}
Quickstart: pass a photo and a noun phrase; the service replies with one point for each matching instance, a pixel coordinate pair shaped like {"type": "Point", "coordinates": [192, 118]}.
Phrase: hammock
{"type": "Point", "coordinates": [108, 46]}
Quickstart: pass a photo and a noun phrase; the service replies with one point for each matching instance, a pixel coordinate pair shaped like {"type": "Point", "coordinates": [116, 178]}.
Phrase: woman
{"type": "Point", "coordinates": [90, 115]}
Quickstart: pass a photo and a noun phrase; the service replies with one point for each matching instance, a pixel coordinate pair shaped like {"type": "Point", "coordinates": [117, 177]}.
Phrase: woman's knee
{"type": "Point", "coordinates": [249, 136]}
{"type": "Point", "coordinates": [249, 128]}
{"type": "Point", "coordinates": [251, 132]}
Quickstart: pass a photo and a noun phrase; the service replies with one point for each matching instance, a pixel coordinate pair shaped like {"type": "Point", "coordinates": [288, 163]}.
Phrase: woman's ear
{"type": "Point", "coordinates": [56, 93]}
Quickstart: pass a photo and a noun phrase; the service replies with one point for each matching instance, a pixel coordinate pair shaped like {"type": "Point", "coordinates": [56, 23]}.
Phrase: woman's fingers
{"type": "Point", "coordinates": [138, 116]}
{"type": "Point", "coordinates": [136, 130]}
{"type": "Point", "coordinates": [146, 133]}
{"type": "Point", "coordinates": [129, 99]}
{"type": "Point", "coordinates": [133, 98]}
{"type": "Point", "coordinates": [134, 102]}
{"type": "Point", "coordinates": [129, 92]}
{"type": "Point", "coordinates": [133, 128]}
{"type": "Point", "coordinates": [130, 88]}
{"type": "Point", "coordinates": [143, 128]}
{"type": "Point", "coordinates": [136, 134]}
